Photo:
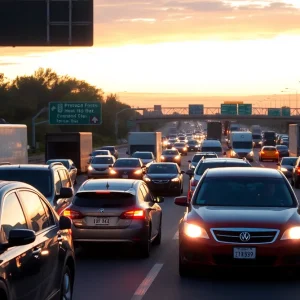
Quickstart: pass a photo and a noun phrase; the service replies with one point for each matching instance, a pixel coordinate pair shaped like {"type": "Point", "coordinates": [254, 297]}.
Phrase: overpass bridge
{"type": "Point", "coordinates": [211, 113]}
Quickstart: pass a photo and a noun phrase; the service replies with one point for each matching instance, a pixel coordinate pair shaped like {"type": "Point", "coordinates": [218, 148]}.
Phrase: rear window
{"type": "Point", "coordinates": [282, 147]}
{"type": "Point", "coordinates": [114, 199]}
{"type": "Point", "coordinates": [244, 191]}
{"type": "Point", "coordinates": [212, 165]}
{"type": "Point", "coordinates": [211, 149]}
{"type": "Point", "coordinates": [269, 148]}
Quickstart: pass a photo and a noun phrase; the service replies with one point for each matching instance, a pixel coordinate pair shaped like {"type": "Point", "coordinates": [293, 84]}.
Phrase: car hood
{"type": "Point", "coordinates": [161, 176]}
{"type": "Point", "coordinates": [266, 217]}
{"type": "Point", "coordinates": [100, 165]}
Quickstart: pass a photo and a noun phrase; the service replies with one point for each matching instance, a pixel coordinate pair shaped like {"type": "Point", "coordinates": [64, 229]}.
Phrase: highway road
{"type": "Point", "coordinates": [116, 272]}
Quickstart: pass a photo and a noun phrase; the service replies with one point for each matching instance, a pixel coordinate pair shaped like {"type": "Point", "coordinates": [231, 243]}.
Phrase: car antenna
{"type": "Point", "coordinates": [107, 185]}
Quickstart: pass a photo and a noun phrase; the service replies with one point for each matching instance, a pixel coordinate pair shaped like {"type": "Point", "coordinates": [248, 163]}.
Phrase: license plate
{"type": "Point", "coordinates": [125, 176]}
{"type": "Point", "coordinates": [244, 253]}
{"type": "Point", "coordinates": [101, 221]}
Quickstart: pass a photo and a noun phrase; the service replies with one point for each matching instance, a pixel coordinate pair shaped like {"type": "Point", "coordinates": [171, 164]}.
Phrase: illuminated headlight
{"type": "Point", "coordinates": [112, 172]}
{"type": "Point", "coordinates": [162, 157]}
{"type": "Point", "coordinates": [194, 231]}
{"type": "Point", "coordinates": [138, 172]}
{"type": "Point", "coordinates": [251, 153]}
{"type": "Point", "coordinates": [184, 149]}
{"type": "Point", "coordinates": [175, 179]}
{"type": "Point", "coordinates": [283, 169]}
{"type": "Point", "coordinates": [177, 157]}
{"type": "Point", "coordinates": [90, 168]}
{"type": "Point", "coordinates": [292, 234]}
{"type": "Point", "coordinates": [147, 179]}
{"type": "Point", "coordinates": [233, 153]}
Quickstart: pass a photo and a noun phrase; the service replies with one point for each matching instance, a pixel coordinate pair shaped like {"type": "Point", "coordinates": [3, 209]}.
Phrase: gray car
{"type": "Point", "coordinates": [116, 211]}
{"type": "Point", "coordinates": [147, 158]}
{"type": "Point", "coordinates": [100, 166]}
{"type": "Point", "coordinates": [286, 165]}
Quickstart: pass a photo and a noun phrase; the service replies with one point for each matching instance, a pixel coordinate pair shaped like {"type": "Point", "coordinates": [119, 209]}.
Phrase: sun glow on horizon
{"type": "Point", "coordinates": [204, 67]}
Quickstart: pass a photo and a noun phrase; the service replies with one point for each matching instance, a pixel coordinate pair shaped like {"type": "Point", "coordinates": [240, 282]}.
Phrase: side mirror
{"type": "Point", "coordinates": [20, 237]}
{"type": "Point", "coordinates": [66, 192]}
{"type": "Point", "coordinates": [182, 172]}
{"type": "Point", "coordinates": [159, 199]}
{"type": "Point", "coordinates": [189, 172]}
{"type": "Point", "coordinates": [189, 161]}
{"type": "Point", "coordinates": [181, 201]}
{"type": "Point", "coordinates": [64, 223]}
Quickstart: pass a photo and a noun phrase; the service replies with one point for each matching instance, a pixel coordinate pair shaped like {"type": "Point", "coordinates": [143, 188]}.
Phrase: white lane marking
{"type": "Point", "coordinates": [262, 165]}
{"type": "Point", "coordinates": [146, 283]}
{"type": "Point", "coordinates": [176, 236]}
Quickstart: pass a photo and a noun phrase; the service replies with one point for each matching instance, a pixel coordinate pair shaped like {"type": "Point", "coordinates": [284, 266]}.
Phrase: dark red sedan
{"type": "Point", "coordinates": [240, 217]}
{"type": "Point", "coordinates": [128, 168]}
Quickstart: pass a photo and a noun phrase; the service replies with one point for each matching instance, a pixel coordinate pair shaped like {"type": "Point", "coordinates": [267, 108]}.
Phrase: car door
{"type": "Point", "coordinates": [46, 248]}
{"type": "Point", "coordinates": [66, 182]}
{"type": "Point", "coordinates": [23, 266]}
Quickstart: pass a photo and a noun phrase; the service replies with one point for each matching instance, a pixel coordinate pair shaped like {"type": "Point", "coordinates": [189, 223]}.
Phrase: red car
{"type": "Point", "coordinates": [240, 217]}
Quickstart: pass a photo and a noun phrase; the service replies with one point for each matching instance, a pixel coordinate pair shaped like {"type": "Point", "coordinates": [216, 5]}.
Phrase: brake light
{"type": "Point", "coordinates": [72, 214]}
{"type": "Point", "coordinates": [262, 152]}
{"type": "Point", "coordinates": [194, 182]}
{"type": "Point", "coordinates": [298, 170]}
{"type": "Point", "coordinates": [137, 214]}
{"type": "Point", "coordinates": [277, 152]}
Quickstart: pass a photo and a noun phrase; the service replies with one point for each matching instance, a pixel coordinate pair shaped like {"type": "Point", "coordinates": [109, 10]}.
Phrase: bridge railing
{"type": "Point", "coordinates": [150, 112]}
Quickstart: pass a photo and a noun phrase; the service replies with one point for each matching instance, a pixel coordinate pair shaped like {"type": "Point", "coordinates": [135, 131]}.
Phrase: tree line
{"type": "Point", "coordinates": [23, 97]}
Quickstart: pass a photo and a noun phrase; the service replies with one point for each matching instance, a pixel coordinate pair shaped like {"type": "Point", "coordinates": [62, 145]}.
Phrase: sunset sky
{"type": "Point", "coordinates": [203, 47]}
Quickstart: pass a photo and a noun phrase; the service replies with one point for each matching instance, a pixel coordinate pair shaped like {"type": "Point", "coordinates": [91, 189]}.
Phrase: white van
{"type": "Point", "coordinates": [212, 146]}
{"type": "Point", "coordinates": [241, 145]}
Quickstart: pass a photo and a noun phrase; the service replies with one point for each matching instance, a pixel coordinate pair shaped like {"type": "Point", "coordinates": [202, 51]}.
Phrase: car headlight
{"type": "Point", "coordinates": [175, 179]}
{"type": "Point", "coordinates": [138, 172]}
{"type": "Point", "coordinates": [184, 149]}
{"type": "Point", "coordinates": [90, 168]}
{"type": "Point", "coordinates": [177, 157]}
{"type": "Point", "coordinates": [162, 157]}
{"type": "Point", "coordinates": [251, 153]}
{"type": "Point", "coordinates": [283, 169]}
{"type": "Point", "coordinates": [233, 153]}
{"type": "Point", "coordinates": [291, 234]}
{"type": "Point", "coordinates": [112, 172]}
{"type": "Point", "coordinates": [147, 179]}
{"type": "Point", "coordinates": [195, 231]}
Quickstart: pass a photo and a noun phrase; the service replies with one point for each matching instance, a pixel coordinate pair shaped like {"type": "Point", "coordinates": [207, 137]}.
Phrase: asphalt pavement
{"type": "Point", "coordinates": [117, 273]}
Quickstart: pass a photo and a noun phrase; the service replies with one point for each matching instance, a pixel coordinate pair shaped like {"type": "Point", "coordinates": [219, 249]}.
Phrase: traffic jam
{"type": "Point", "coordinates": [171, 208]}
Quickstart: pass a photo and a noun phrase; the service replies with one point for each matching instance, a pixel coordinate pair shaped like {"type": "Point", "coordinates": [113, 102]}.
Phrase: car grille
{"type": "Point", "coordinates": [160, 181]}
{"type": "Point", "coordinates": [97, 169]}
{"type": "Point", "coordinates": [243, 154]}
{"type": "Point", "coordinates": [235, 236]}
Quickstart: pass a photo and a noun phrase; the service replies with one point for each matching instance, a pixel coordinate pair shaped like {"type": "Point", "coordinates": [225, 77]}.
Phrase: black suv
{"type": "Point", "coordinates": [53, 181]}
{"type": "Point", "coordinates": [36, 248]}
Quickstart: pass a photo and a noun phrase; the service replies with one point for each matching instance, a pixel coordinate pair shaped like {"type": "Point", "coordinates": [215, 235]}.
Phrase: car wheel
{"type": "Point", "coordinates": [66, 289]}
{"type": "Point", "coordinates": [157, 239]}
{"type": "Point", "coordinates": [184, 269]}
{"type": "Point", "coordinates": [145, 246]}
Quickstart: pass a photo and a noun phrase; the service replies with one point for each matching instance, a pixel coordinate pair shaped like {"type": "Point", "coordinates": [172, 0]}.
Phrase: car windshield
{"type": "Point", "coordinates": [100, 152]}
{"type": "Point", "coordinates": [63, 161]}
{"type": "Point", "coordinates": [244, 191]}
{"type": "Point", "coordinates": [102, 160]}
{"type": "Point", "coordinates": [211, 149]}
{"type": "Point", "coordinates": [162, 169]}
{"type": "Point", "coordinates": [170, 152]}
{"type": "Point", "coordinates": [289, 161]}
{"type": "Point", "coordinates": [98, 200]}
{"type": "Point", "coordinates": [40, 179]}
{"type": "Point", "coordinates": [197, 157]}
{"type": "Point", "coordinates": [131, 163]}
{"type": "Point", "coordinates": [282, 147]}
{"type": "Point", "coordinates": [142, 155]}
{"type": "Point", "coordinates": [256, 136]}
{"type": "Point", "coordinates": [212, 165]}
{"type": "Point", "coordinates": [269, 135]}
{"type": "Point", "coordinates": [179, 145]}
{"type": "Point", "coordinates": [111, 149]}
{"type": "Point", "coordinates": [242, 145]}
{"type": "Point", "coordinates": [192, 142]}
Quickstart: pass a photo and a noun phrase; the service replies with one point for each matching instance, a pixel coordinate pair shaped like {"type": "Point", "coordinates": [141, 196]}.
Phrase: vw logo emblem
{"type": "Point", "coordinates": [245, 236]}
{"type": "Point", "coordinates": [101, 209]}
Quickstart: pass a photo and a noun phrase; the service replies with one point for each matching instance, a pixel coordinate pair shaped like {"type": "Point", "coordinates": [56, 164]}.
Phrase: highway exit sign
{"type": "Point", "coordinates": [75, 113]}
{"type": "Point", "coordinates": [245, 109]}
{"type": "Point", "coordinates": [229, 109]}
{"type": "Point", "coordinates": [274, 112]}
{"type": "Point", "coordinates": [196, 109]}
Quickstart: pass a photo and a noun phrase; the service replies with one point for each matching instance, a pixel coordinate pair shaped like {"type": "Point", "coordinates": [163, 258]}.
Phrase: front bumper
{"type": "Point", "coordinates": [212, 253]}
{"type": "Point", "coordinates": [164, 188]}
{"type": "Point", "coordinates": [98, 174]}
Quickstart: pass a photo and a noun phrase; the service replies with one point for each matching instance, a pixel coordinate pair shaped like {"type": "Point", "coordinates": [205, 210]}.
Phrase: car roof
{"type": "Point", "coordinates": [248, 172]}
{"type": "Point", "coordinates": [211, 142]}
{"type": "Point", "coordinates": [221, 160]}
{"type": "Point", "coordinates": [105, 156]}
{"type": "Point", "coordinates": [163, 163]}
{"type": "Point", "coordinates": [114, 184]}
{"type": "Point", "coordinates": [15, 184]}
{"type": "Point", "coordinates": [128, 158]}
{"type": "Point", "coordinates": [142, 152]}
{"type": "Point", "coordinates": [26, 166]}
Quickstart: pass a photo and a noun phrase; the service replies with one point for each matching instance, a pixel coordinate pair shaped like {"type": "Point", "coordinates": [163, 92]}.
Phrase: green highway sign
{"type": "Point", "coordinates": [229, 109]}
{"type": "Point", "coordinates": [75, 113]}
{"type": "Point", "coordinates": [196, 109]}
{"type": "Point", "coordinates": [274, 112]}
{"type": "Point", "coordinates": [285, 111]}
{"type": "Point", "coordinates": [245, 109]}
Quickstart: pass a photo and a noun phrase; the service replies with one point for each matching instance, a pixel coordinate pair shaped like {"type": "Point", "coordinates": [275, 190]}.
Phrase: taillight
{"type": "Point", "coordinates": [72, 214]}
{"type": "Point", "coordinates": [298, 170]}
{"type": "Point", "coordinates": [133, 214]}
{"type": "Point", "coordinates": [262, 152]}
{"type": "Point", "coordinates": [277, 152]}
{"type": "Point", "coordinates": [194, 182]}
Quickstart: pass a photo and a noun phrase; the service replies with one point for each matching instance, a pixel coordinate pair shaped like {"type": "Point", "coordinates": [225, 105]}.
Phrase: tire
{"type": "Point", "coordinates": [66, 288]}
{"type": "Point", "coordinates": [184, 269]}
{"type": "Point", "coordinates": [144, 247]}
{"type": "Point", "coordinates": [3, 291]}
{"type": "Point", "coordinates": [296, 184]}
{"type": "Point", "coordinates": [157, 239]}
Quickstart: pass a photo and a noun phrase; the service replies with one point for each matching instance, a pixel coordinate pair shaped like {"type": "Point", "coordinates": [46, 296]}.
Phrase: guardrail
{"type": "Point", "coordinates": [40, 158]}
